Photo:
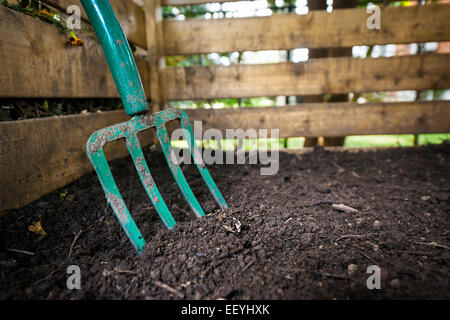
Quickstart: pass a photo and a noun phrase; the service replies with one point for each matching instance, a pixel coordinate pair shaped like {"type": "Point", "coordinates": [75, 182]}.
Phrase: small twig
{"type": "Point", "coordinates": [124, 271]}
{"type": "Point", "coordinates": [366, 256]}
{"type": "Point", "coordinates": [344, 208]}
{"type": "Point", "coordinates": [22, 251]}
{"type": "Point", "coordinates": [358, 236]}
{"type": "Point", "coordinates": [328, 275]}
{"type": "Point", "coordinates": [249, 265]}
{"type": "Point", "coordinates": [340, 169]}
{"type": "Point", "coordinates": [169, 288]}
{"type": "Point", "coordinates": [182, 210]}
{"type": "Point", "coordinates": [433, 244]}
{"type": "Point", "coordinates": [245, 197]}
{"type": "Point", "coordinates": [356, 175]}
{"type": "Point", "coordinates": [73, 243]}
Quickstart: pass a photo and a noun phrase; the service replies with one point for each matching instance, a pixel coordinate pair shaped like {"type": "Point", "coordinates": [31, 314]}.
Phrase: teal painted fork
{"type": "Point", "coordinates": [129, 85]}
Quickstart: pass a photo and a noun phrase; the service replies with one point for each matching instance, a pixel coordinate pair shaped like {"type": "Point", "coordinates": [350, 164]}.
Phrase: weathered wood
{"type": "Point", "coordinates": [153, 21]}
{"type": "Point", "coordinates": [130, 16]}
{"type": "Point", "coordinates": [318, 76]}
{"type": "Point", "coordinates": [144, 73]}
{"type": "Point", "coordinates": [331, 52]}
{"type": "Point", "coordinates": [40, 155]}
{"type": "Point", "coordinates": [333, 119]}
{"type": "Point", "coordinates": [317, 29]}
{"type": "Point", "coordinates": [36, 62]}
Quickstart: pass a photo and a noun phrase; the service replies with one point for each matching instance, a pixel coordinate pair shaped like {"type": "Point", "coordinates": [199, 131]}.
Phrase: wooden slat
{"type": "Point", "coordinates": [35, 158]}
{"type": "Point", "coordinates": [40, 155]}
{"type": "Point", "coordinates": [153, 23]}
{"type": "Point", "coordinates": [37, 63]}
{"type": "Point", "coordinates": [333, 119]}
{"type": "Point", "coordinates": [317, 76]}
{"type": "Point", "coordinates": [130, 16]}
{"type": "Point", "coordinates": [317, 29]}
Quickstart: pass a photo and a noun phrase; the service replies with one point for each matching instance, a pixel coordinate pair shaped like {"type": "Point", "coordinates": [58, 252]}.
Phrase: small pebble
{"type": "Point", "coordinates": [182, 257]}
{"type": "Point", "coordinates": [377, 224]}
{"type": "Point", "coordinates": [155, 274]}
{"type": "Point", "coordinates": [352, 269]}
{"type": "Point", "coordinates": [285, 216]}
{"type": "Point", "coordinates": [395, 283]}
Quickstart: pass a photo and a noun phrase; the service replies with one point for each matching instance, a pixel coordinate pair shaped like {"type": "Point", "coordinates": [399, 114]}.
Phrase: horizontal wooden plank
{"type": "Point", "coordinates": [35, 158]}
{"type": "Point", "coordinates": [317, 29]}
{"type": "Point", "coordinates": [130, 16]}
{"type": "Point", "coordinates": [316, 76]}
{"type": "Point", "coordinates": [333, 119]}
{"type": "Point", "coordinates": [36, 62]}
{"type": "Point", "coordinates": [40, 155]}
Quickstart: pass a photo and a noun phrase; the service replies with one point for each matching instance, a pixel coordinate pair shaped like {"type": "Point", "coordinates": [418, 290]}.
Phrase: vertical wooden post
{"type": "Point", "coordinates": [153, 26]}
{"type": "Point", "coordinates": [339, 52]}
{"type": "Point", "coordinates": [331, 52]}
{"type": "Point", "coordinates": [313, 54]}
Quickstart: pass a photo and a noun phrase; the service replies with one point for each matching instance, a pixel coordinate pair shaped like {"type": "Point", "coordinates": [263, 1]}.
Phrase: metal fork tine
{"type": "Point", "coordinates": [115, 199]}
{"type": "Point", "coordinates": [196, 155]}
{"type": "Point", "coordinates": [135, 150]}
{"type": "Point", "coordinates": [163, 137]}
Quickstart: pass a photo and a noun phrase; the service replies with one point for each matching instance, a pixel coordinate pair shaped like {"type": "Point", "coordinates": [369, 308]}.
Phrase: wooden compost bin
{"type": "Point", "coordinates": [41, 155]}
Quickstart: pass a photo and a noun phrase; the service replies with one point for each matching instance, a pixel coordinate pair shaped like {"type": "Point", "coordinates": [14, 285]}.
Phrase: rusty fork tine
{"type": "Point", "coordinates": [94, 149]}
{"type": "Point", "coordinates": [137, 155]}
{"type": "Point", "coordinates": [164, 140]}
{"type": "Point", "coordinates": [196, 155]}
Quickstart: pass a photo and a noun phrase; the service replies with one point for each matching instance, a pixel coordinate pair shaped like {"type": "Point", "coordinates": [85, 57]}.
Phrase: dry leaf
{"type": "Point", "coordinates": [229, 229]}
{"type": "Point", "coordinates": [37, 229]}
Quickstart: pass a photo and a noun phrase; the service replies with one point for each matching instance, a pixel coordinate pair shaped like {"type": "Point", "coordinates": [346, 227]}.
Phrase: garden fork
{"type": "Point", "coordinates": [126, 77]}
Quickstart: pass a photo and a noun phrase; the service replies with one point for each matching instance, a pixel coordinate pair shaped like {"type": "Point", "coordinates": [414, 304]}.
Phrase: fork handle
{"type": "Point", "coordinates": [118, 54]}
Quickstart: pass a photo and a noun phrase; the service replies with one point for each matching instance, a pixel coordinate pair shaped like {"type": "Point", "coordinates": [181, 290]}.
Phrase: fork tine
{"type": "Point", "coordinates": [196, 155]}
{"type": "Point", "coordinates": [137, 155]}
{"type": "Point", "coordinates": [163, 137]}
{"type": "Point", "coordinates": [114, 197]}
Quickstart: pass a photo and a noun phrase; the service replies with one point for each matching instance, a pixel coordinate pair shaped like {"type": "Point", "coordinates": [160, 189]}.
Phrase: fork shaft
{"type": "Point", "coordinates": [118, 54]}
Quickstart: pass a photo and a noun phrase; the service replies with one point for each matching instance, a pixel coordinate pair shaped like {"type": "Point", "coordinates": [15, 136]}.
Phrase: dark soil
{"type": "Point", "coordinates": [292, 243]}
{"type": "Point", "coordinates": [21, 109]}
